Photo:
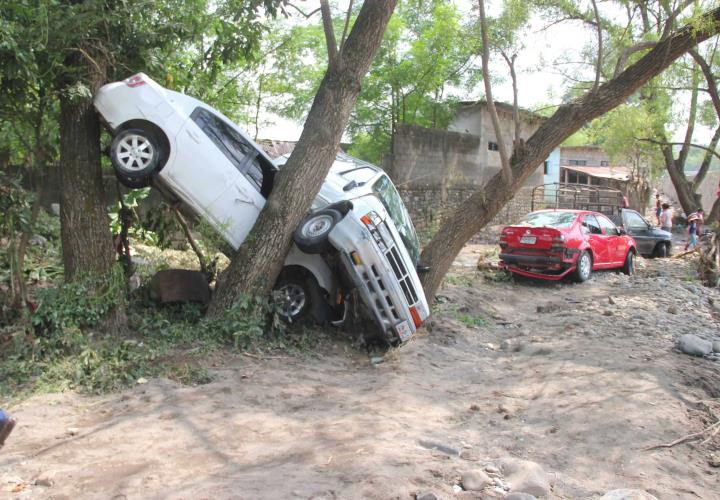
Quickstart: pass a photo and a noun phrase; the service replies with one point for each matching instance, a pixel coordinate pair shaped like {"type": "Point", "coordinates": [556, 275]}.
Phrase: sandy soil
{"type": "Point", "coordinates": [580, 388]}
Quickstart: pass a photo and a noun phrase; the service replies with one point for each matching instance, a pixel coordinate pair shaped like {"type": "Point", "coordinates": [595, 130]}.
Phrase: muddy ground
{"type": "Point", "coordinates": [579, 379]}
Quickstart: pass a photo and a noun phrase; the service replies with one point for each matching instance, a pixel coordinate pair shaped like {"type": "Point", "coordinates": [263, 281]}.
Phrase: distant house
{"type": "Point", "coordinates": [591, 165]}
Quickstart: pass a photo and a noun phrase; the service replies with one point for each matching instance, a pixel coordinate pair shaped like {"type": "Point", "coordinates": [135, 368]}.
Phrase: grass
{"type": "Point", "coordinates": [466, 318]}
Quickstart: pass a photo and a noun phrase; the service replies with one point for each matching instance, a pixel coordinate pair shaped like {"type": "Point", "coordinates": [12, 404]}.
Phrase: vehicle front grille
{"type": "Point", "coordinates": [383, 302]}
{"type": "Point", "coordinates": [401, 273]}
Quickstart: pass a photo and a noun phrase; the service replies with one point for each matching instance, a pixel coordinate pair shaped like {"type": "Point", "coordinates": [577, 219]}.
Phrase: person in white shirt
{"type": "Point", "coordinates": [666, 218]}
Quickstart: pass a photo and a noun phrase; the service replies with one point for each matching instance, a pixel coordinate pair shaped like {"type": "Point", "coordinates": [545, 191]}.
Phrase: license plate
{"type": "Point", "coordinates": [528, 240]}
{"type": "Point", "coordinates": [403, 330]}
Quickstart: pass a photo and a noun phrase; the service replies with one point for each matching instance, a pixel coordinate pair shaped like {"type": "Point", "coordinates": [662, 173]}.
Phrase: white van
{"type": "Point", "coordinates": [357, 236]}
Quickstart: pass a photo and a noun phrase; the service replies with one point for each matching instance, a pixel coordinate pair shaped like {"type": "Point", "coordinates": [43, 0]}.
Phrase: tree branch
{"type": "Point", "coordinates": [598, 65]}
{"type": "Point", "coordinates": [504, 161]}
{"type": "Point", "coordinates": [707, 159]}
{"type": "Point", "coordinates": [306, 16]}
{"type": "Point", "coordinates": [516, 113]}
{"type": "Point", "coordinates": [622, 60]}
{"type": "Point", "coordinates": [669, 143]}
{"type": "Point", "coordinates": [347, 24]}
{"type": "Point", "coordinates": [709, 78]}
{"type": "Point", "coordinates": [332, 47]}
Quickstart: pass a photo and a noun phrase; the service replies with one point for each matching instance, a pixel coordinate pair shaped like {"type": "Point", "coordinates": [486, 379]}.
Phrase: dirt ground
{"type": "Point", "coordinates": [577, 378]}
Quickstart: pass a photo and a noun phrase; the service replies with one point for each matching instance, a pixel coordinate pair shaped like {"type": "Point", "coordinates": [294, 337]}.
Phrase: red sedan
{"type": "Point", "coordinates": [551, 244]}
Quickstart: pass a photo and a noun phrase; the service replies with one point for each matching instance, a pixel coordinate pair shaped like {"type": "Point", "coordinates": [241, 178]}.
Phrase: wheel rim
{"type": "Point", "coordinates": [584, 265]}
{"type": "Point", "coordinates": [317, 226]}
{"type": "Point", "coordinates": [293, 299]}
{"type": "Point", "coordinates": [134, 153]}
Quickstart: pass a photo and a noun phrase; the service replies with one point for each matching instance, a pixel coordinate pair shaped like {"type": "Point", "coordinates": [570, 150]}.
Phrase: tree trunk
{"type": "Point", "coordinates": [259, 259]}
{"type": "Point", "coordinates": [85, 227]}
{"type": "Point", "coordinates": [485, 203]}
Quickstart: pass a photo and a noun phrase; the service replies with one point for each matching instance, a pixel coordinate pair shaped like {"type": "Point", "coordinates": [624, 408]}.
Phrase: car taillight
{"type": "Point", "coordinates": [503, 242]}
{"type": "Point", "coordinates": [558, 243]}
{"type": "Point", "coordinates": [415, 316]}
{"type": "Point", "coordinates": [135, 81]}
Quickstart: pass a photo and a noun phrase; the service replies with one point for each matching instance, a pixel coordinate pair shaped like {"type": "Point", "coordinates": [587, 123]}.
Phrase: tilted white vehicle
{"type": "Point", "coordinates": [357, 236]}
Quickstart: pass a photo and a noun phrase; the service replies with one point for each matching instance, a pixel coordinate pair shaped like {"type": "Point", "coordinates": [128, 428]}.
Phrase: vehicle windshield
{"type": "Point", "coordinates": [390, 198]}
{"type": "Point", "coordinates": [549, 219]}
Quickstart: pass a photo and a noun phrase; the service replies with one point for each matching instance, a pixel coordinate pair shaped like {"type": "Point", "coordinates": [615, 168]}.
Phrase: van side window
{"type": "Point", "coordinates": [239, 151]}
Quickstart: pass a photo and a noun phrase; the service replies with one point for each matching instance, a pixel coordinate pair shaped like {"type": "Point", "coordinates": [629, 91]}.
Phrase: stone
{"type": "Point", "coordinates": [520, 496]}
{"type": "Point", "coordinates": [434, 445]}
{"type": "Point", "coordinates": [672, 310]}
{"type": "Point", "coordinates": [38, 240]}
{"type": "Point", "coordinates": [714, 459]}
{"type": "Point", "coordinates": [511, 345]}
{"type": "Point", "coordinates": [716, 345]}
{"type": "Point", "coordinates": [608, 312]}
{"type": "Point", "coordinates": [474, 480]}
{"type": "Point", "coordinates": [55, 209]}
{"type": "Point", "coordinates": [611, 301]}
{"type": "Point", "coordinates": [73, 431]}
{"type": "Point", "coordinates": [426, 495]}
{"type": "Point", "coordinates": [179, 285]}
{"type": "Point", "coordinates": [628, 494]}
{"type": "Point", "coordinates": [694, 345]}
{"type": "Point", "coordinates": [524, 476]}
{"type": "Point", "coordinates": [44, 481]}
{"type": "Point", "coordinates": [491, 469]}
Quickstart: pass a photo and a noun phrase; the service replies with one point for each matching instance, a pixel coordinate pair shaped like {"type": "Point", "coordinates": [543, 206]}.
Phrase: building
{"type": "Point", "coordinates": [436, 170]}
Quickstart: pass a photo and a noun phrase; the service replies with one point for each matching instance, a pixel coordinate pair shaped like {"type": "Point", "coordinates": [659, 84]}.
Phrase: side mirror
{"type": "Point", "coordinates": [422, 269]}
{"type": "Point", "coordinates": [621, 231]}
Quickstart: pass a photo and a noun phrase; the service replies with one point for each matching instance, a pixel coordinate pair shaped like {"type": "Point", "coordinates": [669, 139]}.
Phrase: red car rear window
{"type": "Point", "coordinates": [549, 219]}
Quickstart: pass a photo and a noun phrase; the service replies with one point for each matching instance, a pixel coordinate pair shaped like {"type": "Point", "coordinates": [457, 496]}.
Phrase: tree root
{"type": "Point", "coordinates": [696, 435]}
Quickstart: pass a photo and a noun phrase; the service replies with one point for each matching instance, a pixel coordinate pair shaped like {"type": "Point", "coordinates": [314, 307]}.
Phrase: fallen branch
{"type": "Point", "coordinates": [687, 252]}
{"type": "Point", "coordinates": [689, 437]}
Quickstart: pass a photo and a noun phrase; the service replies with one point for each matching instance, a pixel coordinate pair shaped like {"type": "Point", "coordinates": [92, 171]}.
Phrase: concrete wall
{"type": "Point", "coordinates": [708, 188]}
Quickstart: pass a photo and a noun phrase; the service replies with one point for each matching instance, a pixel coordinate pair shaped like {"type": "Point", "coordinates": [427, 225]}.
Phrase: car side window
{"type": "Point", "coordinates": [607, 225]}
{"type": "Point", "coordinates": [634, 221]}
{"type": "Point", "coordinates": [591, 224]}
{"type": "Point", "coordinates": [235, 148]}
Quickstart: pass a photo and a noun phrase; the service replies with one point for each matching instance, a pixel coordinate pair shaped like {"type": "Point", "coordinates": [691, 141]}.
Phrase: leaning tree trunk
{"type": "Point", "coordinates": [471, 216]}
{"type": "Point", "coordinates": [259, 260]}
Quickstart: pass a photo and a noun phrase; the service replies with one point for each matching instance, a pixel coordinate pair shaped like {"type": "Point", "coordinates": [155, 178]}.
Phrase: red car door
{"type": "Point", "coordinates": [597, 240]}
{"type": "Point", "coordinates": [616, 247]}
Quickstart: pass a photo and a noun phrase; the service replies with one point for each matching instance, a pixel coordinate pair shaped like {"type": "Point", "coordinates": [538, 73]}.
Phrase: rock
{"type": "Point", "coordinates": [694, 345]}
{"type": "Point", "coordinates": [611, 301]}
{"type": "Point", "coordinates": [525, 476]}
{"type": "Point", "coordinates": [44, 481]}
{"type": "Point", "coordinates": [474, 480]}
{"type": "Point", "coordinates": [38, 240]}
{"type": "Point", "coordinates": [716, 346]}
{"type": "Point", "coordinates": [608, 312]}
{"type": "Point", "coordinates": [73, 431]}
{"type": "Point", "coordinates": [714, 459]}
{"type": "Point", "coordinates": [672, 310]}
{"type": "Point", "coordinates": [434, 445]}
{"type": "Point", "coordinates": [628, 494]}
{"type": "Point", "coordinates": [426, 495]}
{"type": "Point", "coordinates": [179, 285]}
{"type": "Point", "coordinates": [520, 496]}
{"type": "Point", "coordinates": [510, 345]}
{"type": "Point", "coordinates": [55, 209]}
{"type": "Point", "coordinates": [491, 469]}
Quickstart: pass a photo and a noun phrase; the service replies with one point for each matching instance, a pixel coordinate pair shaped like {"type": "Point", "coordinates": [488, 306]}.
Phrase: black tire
{"type": "Point", "coordinates": [583, 267]}
{"type": "Point", "coordinates": [139, 183]}
{"type": "Point", "coordinates": [629, 266]}
{"type": "Point", "coordinates": [135, 153]}
{"type": "Point", "coordinates": [294, 294]}
{"type": "Point", "coordinates": [661, 251]}
{"type": "Point", "coordinates": [311, 236]}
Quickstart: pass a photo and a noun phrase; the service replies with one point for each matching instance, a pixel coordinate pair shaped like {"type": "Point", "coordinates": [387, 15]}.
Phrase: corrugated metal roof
{"type": "Point", "coordinates": [617, 173]}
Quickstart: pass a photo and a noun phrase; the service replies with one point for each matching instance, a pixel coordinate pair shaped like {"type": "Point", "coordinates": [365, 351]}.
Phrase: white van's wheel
{"type": "Point", "coordinates": [311, 236]}
{"type": "Point", "coordinates": [134, 153]}
{"type": "Point", "coordinates": [293, 294]}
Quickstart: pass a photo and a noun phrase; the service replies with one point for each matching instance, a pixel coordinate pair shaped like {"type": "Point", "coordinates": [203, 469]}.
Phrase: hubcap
{"type": "Point", "coordinates": [584, 266]}
{"type": "Point", "coordinates": [134, 153]}
{"type": "Point", "coordinates": [293, 299]}
{"type": "Point", "coordinates": [317, 226]}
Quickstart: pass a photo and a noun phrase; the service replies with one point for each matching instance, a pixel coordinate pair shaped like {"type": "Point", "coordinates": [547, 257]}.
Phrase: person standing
{"type": "Point", "coordinates": [658, 208]}
{"type": "Point", "coordinates": [692, 230]}
{"type": "Point", "coordinates": [7, 424]}
{"type": "Point", "coordinates": [666, 218]}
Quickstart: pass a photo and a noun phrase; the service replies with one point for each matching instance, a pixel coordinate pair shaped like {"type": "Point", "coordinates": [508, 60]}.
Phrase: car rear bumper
{"type": "Point", "coordinates": [528, 260]}
{"type": "Point", "coordinates": [535, 274]}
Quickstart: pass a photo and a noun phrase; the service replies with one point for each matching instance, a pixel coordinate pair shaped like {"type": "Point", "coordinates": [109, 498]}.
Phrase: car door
{"type": "Point", "coordinates": [640, 230]}
{"type": "Point", "coordinates": [200, 171]}
{"type": "Point", "coordinates": [617, 247]}
{"type": "Point", "coordinates": [597, 240]}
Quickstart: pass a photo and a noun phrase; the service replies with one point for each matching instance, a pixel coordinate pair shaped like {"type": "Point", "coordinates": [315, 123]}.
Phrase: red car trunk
{"type": "Point", "coordinates": [531, 238]}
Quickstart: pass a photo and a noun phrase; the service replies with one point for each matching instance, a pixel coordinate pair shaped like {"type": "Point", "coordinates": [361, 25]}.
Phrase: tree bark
{"type": "Point", "coordinates": [485, 203]}
{"type": "Point", "coordinates": [259, 260]}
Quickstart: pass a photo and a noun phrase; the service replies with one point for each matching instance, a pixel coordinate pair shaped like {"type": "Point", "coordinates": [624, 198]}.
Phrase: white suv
{"type": "Point", "coordinates": [357, 236]}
